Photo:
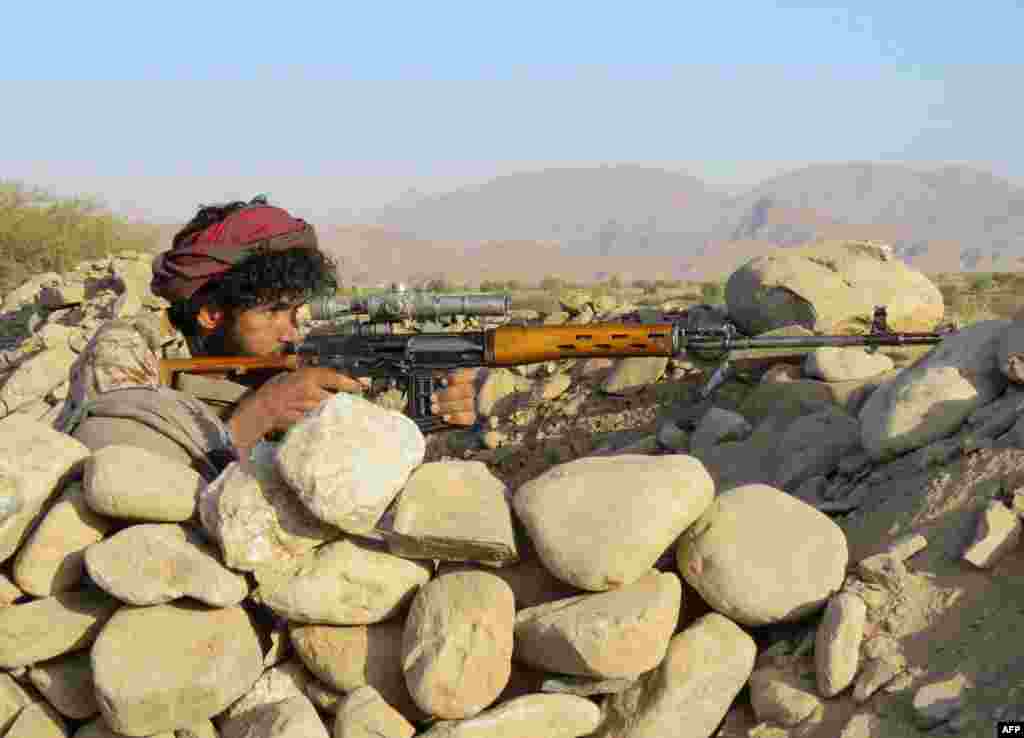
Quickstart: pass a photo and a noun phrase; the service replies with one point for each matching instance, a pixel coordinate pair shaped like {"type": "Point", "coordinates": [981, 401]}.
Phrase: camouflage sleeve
{"type": "Point", "coordinates": [120, 356]}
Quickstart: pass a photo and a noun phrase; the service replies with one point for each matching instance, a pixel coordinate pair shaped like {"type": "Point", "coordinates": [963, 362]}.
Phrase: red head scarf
{"type": "Point", "coordinates": [201, 255]}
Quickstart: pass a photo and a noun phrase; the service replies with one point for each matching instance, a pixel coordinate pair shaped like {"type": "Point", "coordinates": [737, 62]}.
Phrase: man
{"type": "Point", "coordinates": [235, 276]}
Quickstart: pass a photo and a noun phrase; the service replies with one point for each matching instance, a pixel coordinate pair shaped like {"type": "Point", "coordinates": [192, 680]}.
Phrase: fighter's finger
{"type": "Point", "coordinates": [463, 375]}
{"type": "Point", "coordinates": [336, 381]}
{"type": "Point", "coordinates": [463, 418]}
{"type": "Point", "coordinates": [455, 392]}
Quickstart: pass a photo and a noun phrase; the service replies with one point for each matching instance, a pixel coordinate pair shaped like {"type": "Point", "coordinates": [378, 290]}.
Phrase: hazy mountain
{"type": "Point", "coordinates": [915, 210]}
{"type": "Point", "coordinates": [603, 210]}
{"type": "Point", "coordinates": [947, 219]}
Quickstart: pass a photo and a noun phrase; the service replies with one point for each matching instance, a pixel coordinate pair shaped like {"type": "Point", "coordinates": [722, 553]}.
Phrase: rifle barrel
{"type": "Point", "coordinates": [766, 342]}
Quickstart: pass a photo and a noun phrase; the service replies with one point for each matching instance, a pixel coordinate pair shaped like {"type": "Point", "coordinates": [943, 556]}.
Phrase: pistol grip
{"type": "Point", "coordinates": [420, 387]}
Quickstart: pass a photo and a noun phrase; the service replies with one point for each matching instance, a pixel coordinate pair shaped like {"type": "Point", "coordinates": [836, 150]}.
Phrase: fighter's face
{"type": "Point", "coordinates": [263, 330]}
{"type": "Point", "coordinates": [258, 331]}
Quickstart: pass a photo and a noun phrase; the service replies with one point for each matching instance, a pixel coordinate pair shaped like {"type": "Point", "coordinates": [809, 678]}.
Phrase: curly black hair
{"type": "Point", "coordinates": [262, 278]}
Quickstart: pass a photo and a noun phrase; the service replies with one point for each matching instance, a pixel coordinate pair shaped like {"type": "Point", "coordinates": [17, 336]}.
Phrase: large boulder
{"type": "Point", "coordinates": [281, 682]}
{"type": "Point", "coordinates": [43, 629]}
{"type": "Point", "coordinates": [786, 401]}
{"type": "Point", "coordinates": [341, 583]}
{"type": "Point", "coordinates": [760, 556]}
{"type": "Point", "coordinates": [195, 663]}
{"type": "Point", "coordinates": [364, 713]}
{"type": "Point", "coordinates": [830, 286]}
{"type": "Point", "coordinates": [131, 483]}
{"type": "Point", "coordinates": [591, 519]}
{"type": "Point", "coordinates": [753, 460]}
{"type": "Point", "coordinates": [293, 717]}
{"type": "Point", "coordinates": [548, 715]}
{"type": "Point", "coordinates": [257, 520]}
{"type": "Point", "coordinates": [691, 690]}
{"type": "Point", "coordinates": [52, 558]}
{"type": "Point", "coordinates": [620, 633]}
{"type": "Point", "coordinates": [813, 445]}
{"type": "Point", "coordinates": [719, 426]}
{"type": "Point", "coordinates": [347, 658]}
{"type": "Point", "coordinates": [153, 563]}
{"type": "Point", "coordinates": [460, 500]}
{"type": "Point", "coordinates": [34, 461]}
{"type": "Point", "coordinates": [457, 644]}
{"type": "Point", "coordinates": [844, 364]}
{"type": "Point", "coordinates": [349, 459]}
{"type": "Point", "coordinates": [35, 377]}
{"type": "Point", "coordinates": [931, 399]}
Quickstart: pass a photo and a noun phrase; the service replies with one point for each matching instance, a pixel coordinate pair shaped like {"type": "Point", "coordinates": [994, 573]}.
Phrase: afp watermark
{"type": "Point", "coordinates": [1010, 727]}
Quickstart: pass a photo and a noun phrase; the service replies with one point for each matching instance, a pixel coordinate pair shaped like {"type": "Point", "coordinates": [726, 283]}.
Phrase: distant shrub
{"type": "Point", "coordinates": [982, 283]}
{"type": "Point", "coordinates": [40, 232]}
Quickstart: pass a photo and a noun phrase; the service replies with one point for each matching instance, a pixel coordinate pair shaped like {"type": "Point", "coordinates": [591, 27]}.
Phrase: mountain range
{"type": "Point", "coordinates": [645, 222]}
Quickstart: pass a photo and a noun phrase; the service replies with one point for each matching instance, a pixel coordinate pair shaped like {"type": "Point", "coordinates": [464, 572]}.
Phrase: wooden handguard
{"type": "Point", "coordinates": [224, 365]}
{"type": "Point", "coordinates": [510, 345]}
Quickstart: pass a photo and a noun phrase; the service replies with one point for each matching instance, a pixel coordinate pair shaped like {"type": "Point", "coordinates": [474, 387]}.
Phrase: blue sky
{"type": "Point", "coordinates": [334, 107]}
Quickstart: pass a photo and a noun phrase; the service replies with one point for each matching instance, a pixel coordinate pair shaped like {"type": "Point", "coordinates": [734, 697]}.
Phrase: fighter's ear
{"type": "Point", "coordinates": [211, 317]}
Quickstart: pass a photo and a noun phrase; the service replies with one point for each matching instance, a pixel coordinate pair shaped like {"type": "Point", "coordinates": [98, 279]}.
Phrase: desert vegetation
{"type": "Point", "coordinates": [42, 232]}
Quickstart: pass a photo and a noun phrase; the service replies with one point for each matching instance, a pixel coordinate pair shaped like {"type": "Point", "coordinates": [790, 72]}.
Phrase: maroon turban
{"type": "Point", "coordinates": [205, 254]}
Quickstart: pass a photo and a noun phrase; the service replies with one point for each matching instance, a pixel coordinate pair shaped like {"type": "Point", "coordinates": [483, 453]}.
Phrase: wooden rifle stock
{"type": "Point", "coordinates": [510, 345]}
{"type": "Point", "coordinates": [225, 365]}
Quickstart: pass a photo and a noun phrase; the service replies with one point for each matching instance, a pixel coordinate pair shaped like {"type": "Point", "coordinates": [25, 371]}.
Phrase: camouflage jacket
{"type": "Point", "coordinates": [122, 353]}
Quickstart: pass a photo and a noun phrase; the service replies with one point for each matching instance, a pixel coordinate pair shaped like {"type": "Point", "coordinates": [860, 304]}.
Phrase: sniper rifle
{"type": "Point", "coordinates": [373, 349]}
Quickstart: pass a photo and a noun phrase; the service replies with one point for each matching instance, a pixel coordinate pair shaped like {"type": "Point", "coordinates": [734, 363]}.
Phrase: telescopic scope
{"type": "Point", "coordinates": [398, 305]}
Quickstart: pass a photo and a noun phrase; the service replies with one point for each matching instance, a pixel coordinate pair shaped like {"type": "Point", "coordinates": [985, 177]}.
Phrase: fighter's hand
{"type": "Point", "coordinates": [456, 403]}
{"type": "Point", "coordinates": [287, 397]}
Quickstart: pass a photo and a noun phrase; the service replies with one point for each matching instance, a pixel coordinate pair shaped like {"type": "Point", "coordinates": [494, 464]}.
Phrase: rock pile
{"type": "Point", "coordinates": [711, 577]}
{"type": "Point", "coordinates": [58, 314]}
